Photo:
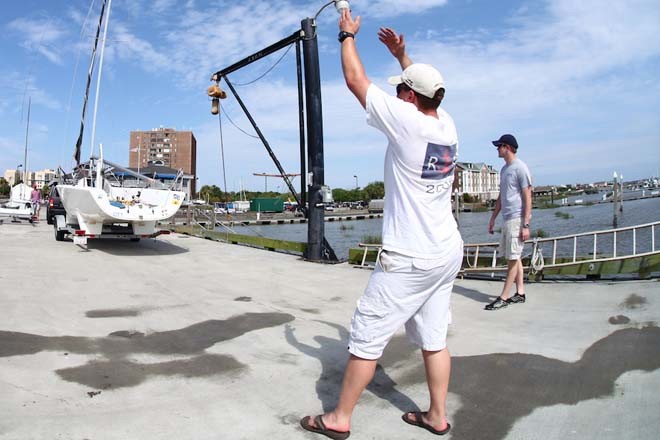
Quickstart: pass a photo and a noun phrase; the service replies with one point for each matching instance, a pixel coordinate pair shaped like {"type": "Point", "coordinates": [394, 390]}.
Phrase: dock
{"type": "Point", "coordinates": [185, 338]}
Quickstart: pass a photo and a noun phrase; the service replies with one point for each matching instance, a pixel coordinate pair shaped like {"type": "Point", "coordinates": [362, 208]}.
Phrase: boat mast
{"type": "Point", "coordinates": [98, 80]}
{"type": "Point", "coordinates": [25, 157]}
{"type": "Point", "coordinates": [76, 154]}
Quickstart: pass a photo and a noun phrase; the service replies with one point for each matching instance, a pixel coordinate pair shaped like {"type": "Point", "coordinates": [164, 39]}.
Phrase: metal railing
{"type": "Point", "coordinates": [572, 248]}
{"type": "Point", "coordinates": [615, 240]}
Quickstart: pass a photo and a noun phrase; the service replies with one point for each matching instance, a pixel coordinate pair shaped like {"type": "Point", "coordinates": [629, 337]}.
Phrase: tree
{"type": "Point", "coordinates": [375, 190]}
{"type": "Point", "coordinates": [341, 195]}
{"type": "Point", "coordinates": [4, 187]}
{"type": "Point", "coordinates": [211, 193]}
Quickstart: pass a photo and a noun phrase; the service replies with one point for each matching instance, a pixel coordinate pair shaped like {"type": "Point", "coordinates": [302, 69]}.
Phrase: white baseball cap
{"type": "Point", "coordinates": [422, 78]}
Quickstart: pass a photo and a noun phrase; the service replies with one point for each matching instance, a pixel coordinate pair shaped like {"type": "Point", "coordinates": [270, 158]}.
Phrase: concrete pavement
{"type": "Point", "coordinates": [184, 338]}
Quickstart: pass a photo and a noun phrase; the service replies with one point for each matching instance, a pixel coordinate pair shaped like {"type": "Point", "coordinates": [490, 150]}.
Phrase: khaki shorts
{"type": "Point", "coordinates": [511, 246]}
{"type": "Point", "coordinates": [405, 291]}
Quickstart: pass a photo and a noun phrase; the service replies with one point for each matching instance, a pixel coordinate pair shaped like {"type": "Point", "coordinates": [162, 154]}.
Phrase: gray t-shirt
{"type": "Point", "coordinates": [514, 177]}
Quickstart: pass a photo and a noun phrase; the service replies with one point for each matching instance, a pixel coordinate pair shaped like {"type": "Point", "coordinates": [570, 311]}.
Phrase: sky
{"type": "Point", "coordinates": [575, 82]}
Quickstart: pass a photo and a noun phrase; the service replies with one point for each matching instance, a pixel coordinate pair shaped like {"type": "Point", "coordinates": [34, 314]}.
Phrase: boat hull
{"type": "Point", "coordinates": [90, 208]}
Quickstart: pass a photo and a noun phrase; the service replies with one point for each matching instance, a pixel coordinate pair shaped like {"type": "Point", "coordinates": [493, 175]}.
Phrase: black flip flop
{"type": "Point", "coordinates": [321, 429]}
{"type": "Point", "coordinates": [419, 421]}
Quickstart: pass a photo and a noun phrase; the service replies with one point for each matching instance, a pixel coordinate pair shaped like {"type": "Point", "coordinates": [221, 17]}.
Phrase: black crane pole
{"type": "Point", "coordinates": [315, 229]}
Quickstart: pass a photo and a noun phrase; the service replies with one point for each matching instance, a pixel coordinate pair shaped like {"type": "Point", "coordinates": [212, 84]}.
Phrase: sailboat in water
{"type": "Point", "coordinates": [97, 203]}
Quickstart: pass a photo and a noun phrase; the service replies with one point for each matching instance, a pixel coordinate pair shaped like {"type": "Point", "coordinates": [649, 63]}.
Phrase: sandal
{"type": "Point", "coordinates": [321, 429]}
{"type": "Point", "coordinates": [419, 421]}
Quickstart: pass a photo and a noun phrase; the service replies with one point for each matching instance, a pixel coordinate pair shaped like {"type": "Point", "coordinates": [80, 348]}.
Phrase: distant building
{"type": "Point", "coordinates": [477, 179]}
{"type": "Point", "coordinates": [12, 176]}
{"type": "Point", "coordinates": [164, 147]}
{"type": "Point", "coordinates": [41, 178]}
{"type": "Point", "coordinates": [545, 190]}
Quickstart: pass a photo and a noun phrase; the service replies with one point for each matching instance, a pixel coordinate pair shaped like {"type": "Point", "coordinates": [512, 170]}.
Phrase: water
{"type": "Point", "coordinates": [343, 235]}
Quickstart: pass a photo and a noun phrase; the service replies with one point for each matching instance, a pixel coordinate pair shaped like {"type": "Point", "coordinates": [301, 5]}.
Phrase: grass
{"type": "Point", "coordinates": [564, 215]}
{"type": "Point", "coordinates": [371, 239]}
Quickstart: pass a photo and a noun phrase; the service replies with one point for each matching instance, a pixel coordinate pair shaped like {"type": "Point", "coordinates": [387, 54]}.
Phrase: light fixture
{"type": "Point", "coordinates": [341, 4]}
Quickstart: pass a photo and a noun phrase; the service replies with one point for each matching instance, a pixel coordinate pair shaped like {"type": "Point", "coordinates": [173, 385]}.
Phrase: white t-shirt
{"type": "Point", "coordinates": [419, 172]}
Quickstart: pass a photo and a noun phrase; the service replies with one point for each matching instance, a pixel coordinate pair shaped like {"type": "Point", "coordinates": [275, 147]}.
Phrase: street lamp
{"type": "Point", "coordinates": [20, 165]}
{"type": "Point", "coordinates": [356, 182]}
{"type": "Point", "coordinates": [139, 148]}
{"type": "Point", "coordinates": [339, 4]}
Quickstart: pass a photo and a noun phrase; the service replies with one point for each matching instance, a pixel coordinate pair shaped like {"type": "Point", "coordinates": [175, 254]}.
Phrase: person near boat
{"type": "Point", "coordinates": [422, 247]}
{"type": "Point", "coordinates": [35, 198]}
{"type": "Point", "coordinates": [515, 204]}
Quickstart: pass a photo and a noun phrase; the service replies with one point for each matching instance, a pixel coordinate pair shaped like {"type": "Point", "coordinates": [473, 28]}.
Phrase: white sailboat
{"type": "Point", "coordinates": [18, 207]}
{"type": "Point", "coordinates": [97, 205]}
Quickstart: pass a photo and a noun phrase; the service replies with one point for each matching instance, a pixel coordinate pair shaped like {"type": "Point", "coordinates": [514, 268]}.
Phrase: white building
{"type": "Point", "coordinates": [41, 178]}
{"type": "Point", "coordinates": [477, 179]}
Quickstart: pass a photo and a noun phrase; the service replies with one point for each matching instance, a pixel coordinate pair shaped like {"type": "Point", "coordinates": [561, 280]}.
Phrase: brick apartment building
{"type": "Point", "coordinates": [165, 147]}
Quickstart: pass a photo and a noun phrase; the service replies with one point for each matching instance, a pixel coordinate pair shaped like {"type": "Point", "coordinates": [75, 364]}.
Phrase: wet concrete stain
{"type": "Point", "coordinates": [498, 389]}
{"type": "Point", "coordinates": [336, 298]}
{"type": "Point", "coordinates": [633, 301]}
{"type": "Point", "coordinates": [191, 340]}
{"type": "Point", "coordinates": [313, 311]}
{"type": "Point", "coordinates": [332, 354]}
{"type": "Point", "coordinates": [188, 340]}
{"type": "Point", "coordinates": [122, 373]}
{"type": "Point", "coordinates": [111, 313]}
{"type": "Point", "coordinates": [243, 298]}
{"type": "Point", "coordinates": [618, 320]}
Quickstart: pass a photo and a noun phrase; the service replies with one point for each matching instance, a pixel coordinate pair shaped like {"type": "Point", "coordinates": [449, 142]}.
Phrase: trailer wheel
{"type": "Point", "coordinates": [59, 235]}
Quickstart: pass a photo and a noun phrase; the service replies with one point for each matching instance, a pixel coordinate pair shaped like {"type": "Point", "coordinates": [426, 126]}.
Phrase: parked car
{"type": "Point", "coordinates": [54, 206]}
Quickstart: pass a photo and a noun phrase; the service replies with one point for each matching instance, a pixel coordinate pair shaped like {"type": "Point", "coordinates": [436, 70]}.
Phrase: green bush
{"type": "Point", "coordinates": [564, 215]}
{"type": "Point", "coordinates": [540, 233]}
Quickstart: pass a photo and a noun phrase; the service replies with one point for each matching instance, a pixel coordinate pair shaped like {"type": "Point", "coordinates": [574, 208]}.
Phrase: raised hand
{"type": "Point", "coordinates": [393, 41]}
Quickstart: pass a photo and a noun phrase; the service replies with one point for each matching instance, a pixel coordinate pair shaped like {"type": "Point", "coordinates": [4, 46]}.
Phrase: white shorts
{"type": "Point", "coordinates": [405, 290]}
{"type": "Point", "coordinates": [511, 246]}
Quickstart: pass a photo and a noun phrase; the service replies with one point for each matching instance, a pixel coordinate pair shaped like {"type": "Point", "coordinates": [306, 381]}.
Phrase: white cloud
{"type": "Point", "coordinates": [549, 69]}
{"type": "Point", "coordinates": [394, 8]}
{"type": "Point", "coordinates": [40, 35]}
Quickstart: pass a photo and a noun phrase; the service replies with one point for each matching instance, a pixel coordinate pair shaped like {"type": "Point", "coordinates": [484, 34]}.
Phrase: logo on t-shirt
{"type": "Point", "coordinates": [439, 161]}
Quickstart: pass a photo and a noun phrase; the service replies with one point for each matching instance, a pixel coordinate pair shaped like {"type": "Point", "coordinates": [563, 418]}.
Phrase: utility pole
{"type": "Point", "coordinates": [614, 199]}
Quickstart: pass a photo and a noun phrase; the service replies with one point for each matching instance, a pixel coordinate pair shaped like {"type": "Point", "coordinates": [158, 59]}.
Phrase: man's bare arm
{"type": "Point", "coordinates": [354, 74]}
{"type": "Point", "coordinates": [396, 45]}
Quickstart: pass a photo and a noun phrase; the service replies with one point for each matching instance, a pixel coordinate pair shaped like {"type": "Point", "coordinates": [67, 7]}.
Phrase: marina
{"type": "Point", "coordinates": [179, 337]}
{"type": "Point", "coordinates": [473, 226]}
{"type": "Point", "coordinates": [198, 312]}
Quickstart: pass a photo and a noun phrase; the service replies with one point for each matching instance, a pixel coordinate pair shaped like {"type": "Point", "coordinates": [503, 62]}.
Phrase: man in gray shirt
{"type": "Point", "coordinates": [515, 203]}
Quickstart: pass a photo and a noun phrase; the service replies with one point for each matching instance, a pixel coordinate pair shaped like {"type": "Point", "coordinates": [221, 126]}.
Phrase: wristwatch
{"type": "Point", "coordinates": [525, 226]}
{"type": "Point", "coordinates": [344, 35]}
